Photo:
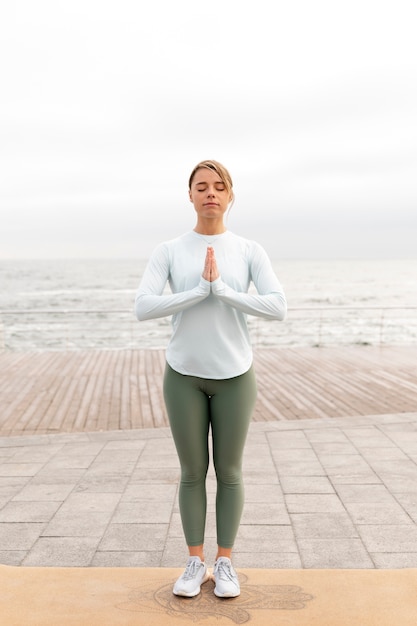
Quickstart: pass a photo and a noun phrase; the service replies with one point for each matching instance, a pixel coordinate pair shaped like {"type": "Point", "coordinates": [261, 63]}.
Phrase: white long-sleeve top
{"type": "Point", "coordinates": [210, 337]}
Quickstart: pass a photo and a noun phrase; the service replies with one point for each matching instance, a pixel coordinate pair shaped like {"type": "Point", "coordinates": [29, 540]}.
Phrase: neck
{"type": "Point", "coordinates": [210, 228]}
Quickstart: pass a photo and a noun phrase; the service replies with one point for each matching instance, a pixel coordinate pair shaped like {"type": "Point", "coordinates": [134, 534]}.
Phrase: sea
{"type": "Point", "coordinates": [77, 304]}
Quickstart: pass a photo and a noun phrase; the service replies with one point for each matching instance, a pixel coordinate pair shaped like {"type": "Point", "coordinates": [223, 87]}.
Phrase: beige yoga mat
{"type": "Point", "coordinates": [129, 596]}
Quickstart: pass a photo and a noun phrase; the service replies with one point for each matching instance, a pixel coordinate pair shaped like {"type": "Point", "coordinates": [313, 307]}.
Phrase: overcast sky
{"type": "Point", "coordinates": [106, 106]}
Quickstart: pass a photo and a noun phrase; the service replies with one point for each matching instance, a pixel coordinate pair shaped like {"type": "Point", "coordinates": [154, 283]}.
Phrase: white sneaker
{"type": "Point", "coordinates": [194, 575]}
{"type": "Point", "coordinates": [227, 582]}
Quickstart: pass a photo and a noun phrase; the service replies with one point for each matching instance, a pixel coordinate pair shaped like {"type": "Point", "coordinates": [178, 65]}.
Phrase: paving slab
{"type": "Point", "coordinates": [320, 493]}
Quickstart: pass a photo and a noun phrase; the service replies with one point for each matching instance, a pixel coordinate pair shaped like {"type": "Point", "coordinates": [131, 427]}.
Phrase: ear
{"type": "Point", "coordinates": [189, 195]}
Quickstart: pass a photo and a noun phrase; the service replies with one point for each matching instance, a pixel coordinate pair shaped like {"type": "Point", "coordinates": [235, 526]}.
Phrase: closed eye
{"type": "Point", "coordinates": [218, 187]}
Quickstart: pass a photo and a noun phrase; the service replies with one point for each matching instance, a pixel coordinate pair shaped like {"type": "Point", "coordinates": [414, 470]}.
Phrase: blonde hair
{"type": "Point", "coordinates": [220, 170]}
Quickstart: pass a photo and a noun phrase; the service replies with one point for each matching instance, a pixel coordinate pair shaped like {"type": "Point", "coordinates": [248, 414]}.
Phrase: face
{"type": "Point", "coordinates": [209, 195]}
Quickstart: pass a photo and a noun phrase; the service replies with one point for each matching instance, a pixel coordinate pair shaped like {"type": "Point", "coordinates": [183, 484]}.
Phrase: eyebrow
{"type": "Point", "coordinates": [202, 182]}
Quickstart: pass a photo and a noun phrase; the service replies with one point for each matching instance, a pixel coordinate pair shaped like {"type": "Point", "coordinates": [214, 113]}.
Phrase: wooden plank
{"type": "Point", "coordinates": [341, 377]}
{"type": "Point", "coordinates": [125, 420]}
{"type": "Point", "coordinates": [59, 420]}
{"type": "Point", "coordinates": [94, 417]}
{"type": "Point", "coordinates": [158, 407]}
{"type": "Point", "coordinates": [40, 396]}
{"type": "Point", "coordinates": [136, 419]}
{"type": "Point", "coordinates": [112, 389]}
{"type": "Point", "coordinates": [145, 402]}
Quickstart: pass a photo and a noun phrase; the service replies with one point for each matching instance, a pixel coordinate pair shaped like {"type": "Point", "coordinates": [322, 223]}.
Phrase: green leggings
{"type": "Point", "coordinates": [193, 405]}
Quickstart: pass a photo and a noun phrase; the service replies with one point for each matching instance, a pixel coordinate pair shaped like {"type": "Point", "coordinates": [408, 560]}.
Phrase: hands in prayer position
{"type": "Point", "coordinates": [210, 272]}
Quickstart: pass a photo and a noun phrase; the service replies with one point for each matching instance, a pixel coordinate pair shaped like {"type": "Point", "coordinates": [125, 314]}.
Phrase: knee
{"type": "Point", "coordinates": [229, 474]}
{"type": "Point", "coordinates": [194, 474]}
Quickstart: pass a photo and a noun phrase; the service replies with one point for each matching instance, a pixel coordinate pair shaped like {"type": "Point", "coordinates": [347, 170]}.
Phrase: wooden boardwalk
{"type": "Point", "coordinates": [51, 392]}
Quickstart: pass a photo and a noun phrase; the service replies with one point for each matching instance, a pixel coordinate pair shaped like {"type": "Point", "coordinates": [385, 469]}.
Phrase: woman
{"type": "Point", "coordinates": [209, 379]}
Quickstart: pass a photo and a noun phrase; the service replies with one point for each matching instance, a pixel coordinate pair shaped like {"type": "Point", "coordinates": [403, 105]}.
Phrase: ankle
{"type": "Point", "coordinates": [196, 551]}
{"type": "Point", "coordinates": [224, 552]}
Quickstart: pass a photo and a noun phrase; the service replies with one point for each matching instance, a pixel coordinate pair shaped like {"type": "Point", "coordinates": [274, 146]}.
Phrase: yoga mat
{"type": "Point", "coordinates": [140, 596]}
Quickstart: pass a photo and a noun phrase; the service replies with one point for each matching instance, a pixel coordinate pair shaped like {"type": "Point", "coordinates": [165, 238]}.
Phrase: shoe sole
{"type": "Point", "coordinates": [193, 593]}
{"type": "Point", "coordinates": [226, 595]}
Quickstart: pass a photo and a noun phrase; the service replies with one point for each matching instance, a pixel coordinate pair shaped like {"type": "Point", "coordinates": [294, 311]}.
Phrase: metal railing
{"type": "Point", "coordinates": [344, 325]}
{"type": "Point", "coordinates": [69, 329]}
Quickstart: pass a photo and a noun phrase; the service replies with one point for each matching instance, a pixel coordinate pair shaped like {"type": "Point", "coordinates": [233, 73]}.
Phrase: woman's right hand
{"type": "Point", "coordinates": [210, 272]}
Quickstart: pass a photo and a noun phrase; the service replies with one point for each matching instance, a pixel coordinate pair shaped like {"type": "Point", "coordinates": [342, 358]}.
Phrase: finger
{"type": "Point", "coordinates": [214, 270]}
{"type": "Point", "coordinates": [207, 266]}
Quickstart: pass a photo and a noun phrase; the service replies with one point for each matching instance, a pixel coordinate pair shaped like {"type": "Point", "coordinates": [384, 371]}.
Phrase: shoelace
{"type": "Point", "coordinates": [191, 570]}
{"type": "Point", "coordinates": [225, 572]}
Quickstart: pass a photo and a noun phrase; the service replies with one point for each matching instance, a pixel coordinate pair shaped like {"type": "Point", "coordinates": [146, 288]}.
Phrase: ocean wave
{"type": "Point", "coordinates": [109, 287]}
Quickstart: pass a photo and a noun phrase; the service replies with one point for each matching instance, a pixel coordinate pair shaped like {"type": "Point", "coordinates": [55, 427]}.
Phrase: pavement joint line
{"type": "Point", "coordinates": [375, 524]}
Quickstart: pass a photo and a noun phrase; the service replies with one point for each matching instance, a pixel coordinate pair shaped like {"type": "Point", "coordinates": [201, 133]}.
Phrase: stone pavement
{"type": "Point", "coordinates": [320, 493]}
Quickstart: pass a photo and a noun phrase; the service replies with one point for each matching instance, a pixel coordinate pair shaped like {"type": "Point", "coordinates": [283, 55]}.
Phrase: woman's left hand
{"type": "Point", "coordinates": [211, 271]}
